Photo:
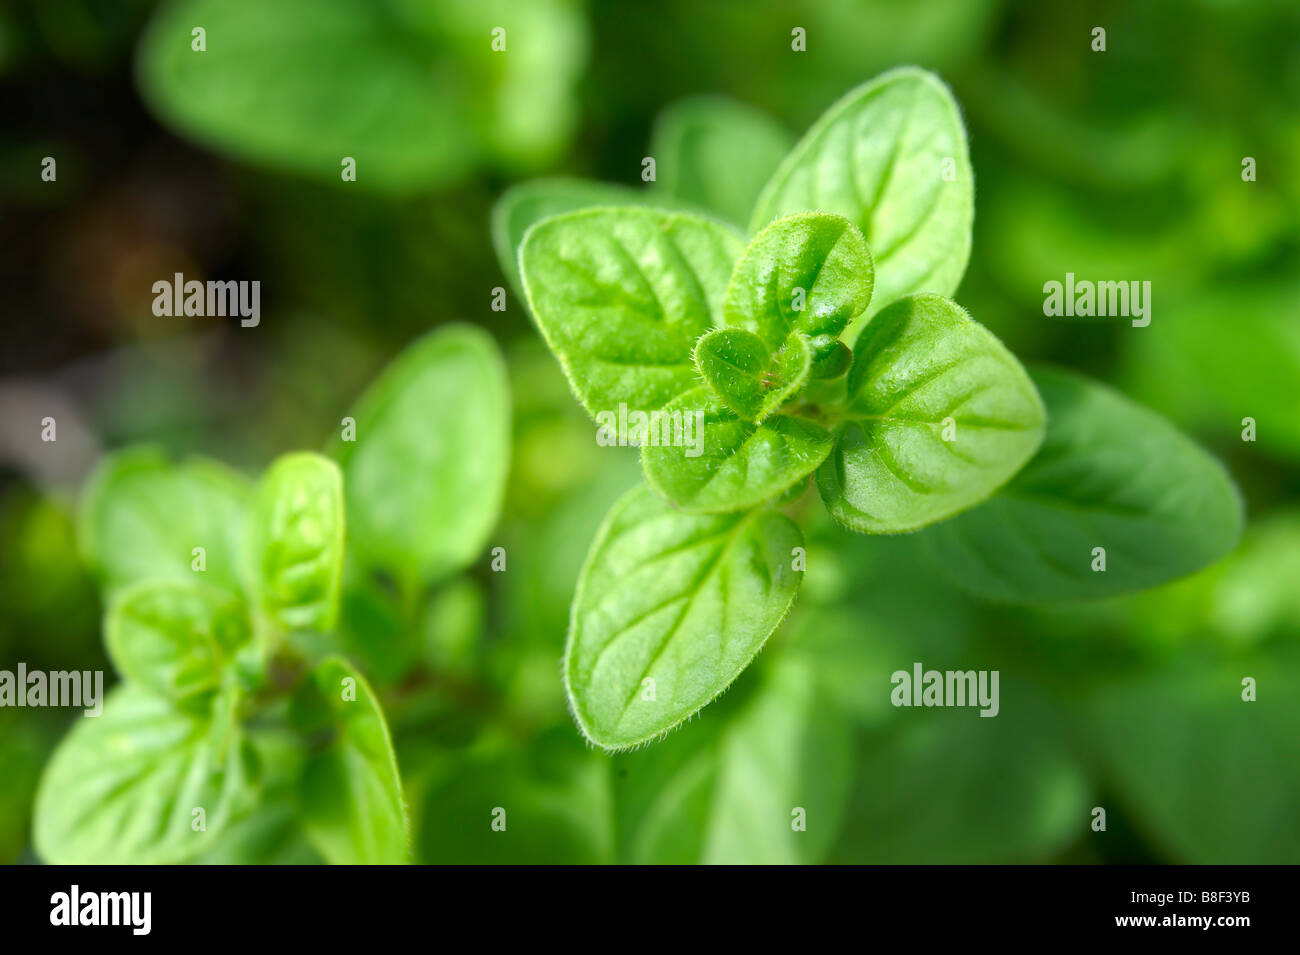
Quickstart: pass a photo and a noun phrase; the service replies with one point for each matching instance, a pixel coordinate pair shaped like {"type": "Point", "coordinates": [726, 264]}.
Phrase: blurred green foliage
{"type": "Point", "coordinates": [1122, 164]}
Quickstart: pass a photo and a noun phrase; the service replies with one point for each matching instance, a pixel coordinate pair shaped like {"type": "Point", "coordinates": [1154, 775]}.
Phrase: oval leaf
{"type": "Point", "coordinates": [122, 788]}
{"type": "Point", "coordinates": [622, 295]}
{"type": "Point", "coordinates": [425, 477]}
{"type": "Point", "coordinates": [669, 610]}
{"type": "Point", "coordinates": [296, 542]}
{"type": "Point", "coordinates": [1110, 474]}
{"type": "Point", "coordinates": [939, 416]}
{"type": "Point", "coordinates": [175, 638]}
{"type": "Point", "coordinates": [300, 84]}
{"type": "Point", "coordinates": [748, 378]}
{"type": "Point", "coordinates": [724, 463]}
{"type": "Point", "coordinates": [809, 273]}
{"type": "Point", "coordinates": [892, 157]}
{"type": "Point", "coordinates": [142, 517]}
{"type": "Point", "coordinates": [351, 793]}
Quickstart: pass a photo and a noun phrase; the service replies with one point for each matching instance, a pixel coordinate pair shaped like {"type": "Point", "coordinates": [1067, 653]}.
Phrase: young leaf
{"type": "Point", "coordinates": [939, 415]}
{"type": "Point", "coordinates": [175, 637]}
{"type": "Point", "coordinates": [730, 789]}
{"type": "Point", "coordinates": [730, 464]}
{"type": "Point", "coordinates": [809, 273]}
{"type": "Point", "coordinates": [748, 378]}
{"type": "Point", "coordinates": [142, 517]}
{"type": "Point", "coordinates": [530, 202]}
{"type": "Point", "coordinates": [296, 542]}
{"type": "Point", "coordinates": [892, 157]}
{"type": "Point", "coordinates": [1111, 475]}
{"type": "Point", "coordinates": [425, 476]}
{"type": "Point", "coordinates": [293, 85]}
{"type": "Point", "coordinates": [123, 788]}
{"type": "Point", "coordinates": [622, 294]}
{"type": "Point", "coordinates": [351, 793]}
{"type": "Point", "coordinates": [717, 153]}
{"type": "Point", "coordinates": [669, 610]}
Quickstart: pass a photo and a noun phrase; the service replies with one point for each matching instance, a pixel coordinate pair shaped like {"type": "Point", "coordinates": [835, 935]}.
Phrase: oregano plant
{"type": "Point", "coordinates": [822, 343]}
{"type": "Point", "coordinates": [241, 702]}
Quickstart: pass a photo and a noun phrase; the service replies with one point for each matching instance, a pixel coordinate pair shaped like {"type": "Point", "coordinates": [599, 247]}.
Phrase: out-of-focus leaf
{"type": "Point", "coordinates": [301, 84]}
{"type": "Point", "coordinates": [175, 637]}
{"type": "Point", "coordinates": [1110, 474]}
{"type": "Point", "coordinates": [295, 542]}
{"type": "Point", "coordinates": [411, 89]}
{"type": "Point", "coordinates": [424, 479]}
{"type": "Point", "coordinates": [1246, 370]}
{"type": "Point", "coordinates": [948, 786]}
{"type": "Point", "coordinates": [1208, 775]}
{"type": "Point", "coordinates": [717, 154]}
{"type": "Point", "coordinates": [122, 788]}
{"type": "Point", "coordinates": [142, 516]}
{"type": "Point", "coordinates": [763, 783]}
{"type": "Point", "coordinates": [351, 793]}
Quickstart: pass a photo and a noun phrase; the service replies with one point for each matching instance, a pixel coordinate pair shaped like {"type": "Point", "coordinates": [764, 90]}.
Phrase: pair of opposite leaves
{"type": "Point", "coordinates": [640, 305]}
{"type": "Point", "coordinates": [418, 509]}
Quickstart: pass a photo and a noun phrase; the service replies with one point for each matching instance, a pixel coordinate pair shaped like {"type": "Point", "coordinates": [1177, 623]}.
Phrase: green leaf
{"type": "Point", "coordinates": [174, 637]}
{"type": "Point", "coordinates": [141, 517]}
{"type": "Point", "coordinates": [831, 357]}
{"type": "Point", "coordinates": [892, 157]}
{"type": "Point", "coordinates": [411, 89]}
{"type": "Point", "coordinates": [949, 787]}
{"type": "Point", "coordinates": [526, 203]}
{"type": "Point", "coordinates": [1202, 770]}
{"type": "Point", "coordinates": [717, 153]}
{"type": "Point", "coordinates": [425, 477]}
{"type": "Point", "coordinates": [351, 793]}
{"type": "Point", "coordinates": [122, 788]}
{"type": "Point", "coordinates": [728, 464]}
{"type": "Point", "coordinates": [296, 542]}
{"type": "Point", "coordinates": [300, 84]}
{"type": "Point", "coordinates": [748, 378]}
{"type": "Point", "coordinates": [1110, 474]}
{"type": "Point", "coordinates": [729, 790]}
{"type": "Point", "coordinates": [939, 415]}
{"type": "Point", "coordinates": [669, 610]}
{"type": "Point", "coordinates": [621, 296]}
{"type": "Point", "coordinates": [809, 273]}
